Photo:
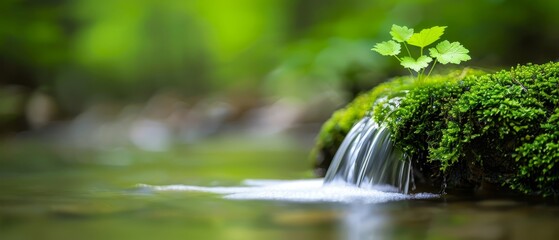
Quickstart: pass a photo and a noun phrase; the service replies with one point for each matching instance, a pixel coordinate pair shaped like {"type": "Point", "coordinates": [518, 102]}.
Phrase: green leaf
{"type": "Point", "coordinates": [416, 65]}
{"type": "Point", "coordinates": [401, 34]}
{"type": "Point", "coordinates": [447, 52]}
{"type": "Point", "coordinates": [388, 48]}
{"type": "Point", "coordinates": [426, 36]}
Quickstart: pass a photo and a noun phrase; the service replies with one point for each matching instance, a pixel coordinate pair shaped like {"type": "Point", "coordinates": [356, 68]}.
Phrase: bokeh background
{"type": "Point", "coordinates": [151, 73]}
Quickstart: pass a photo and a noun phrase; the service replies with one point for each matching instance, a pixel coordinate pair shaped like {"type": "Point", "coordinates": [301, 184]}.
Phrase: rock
{"type": "Point", "coordinates": [468, 129]}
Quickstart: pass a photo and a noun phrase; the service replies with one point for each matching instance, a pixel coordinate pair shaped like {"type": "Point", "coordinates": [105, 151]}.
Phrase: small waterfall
{"type": "Point", "coordinates": [368, 159]}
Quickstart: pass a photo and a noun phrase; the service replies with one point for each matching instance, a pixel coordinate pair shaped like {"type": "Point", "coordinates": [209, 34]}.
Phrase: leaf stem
{"type": "Point", "coordinates": [407, 49]}
{"type": "Point", "coordinates": [420, 74]}
{"type": "Point", "coordinates": [430, 70]}
{"type": "Point", "coordinates": [423, 74]}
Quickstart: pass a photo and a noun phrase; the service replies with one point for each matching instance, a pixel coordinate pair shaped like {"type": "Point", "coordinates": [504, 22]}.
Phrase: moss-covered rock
{"type": "Point", "coordinates": [468, 128]}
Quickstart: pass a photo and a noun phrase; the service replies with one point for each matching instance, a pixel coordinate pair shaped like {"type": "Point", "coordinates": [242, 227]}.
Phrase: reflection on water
{"type": "Point", "coordinates": [360, 224]}
{"type": "Point", "coordinates": [53, 194]}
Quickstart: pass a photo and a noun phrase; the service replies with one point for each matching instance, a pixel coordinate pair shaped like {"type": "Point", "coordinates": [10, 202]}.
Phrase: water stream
{"type": "Point", "coordinates": [368, 159]}
{"type": "Point", "coordinates": [367, 168]}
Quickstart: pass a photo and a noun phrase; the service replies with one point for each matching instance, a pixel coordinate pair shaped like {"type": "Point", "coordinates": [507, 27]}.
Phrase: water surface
{"type": "Point", "coordinates": [59, 193]}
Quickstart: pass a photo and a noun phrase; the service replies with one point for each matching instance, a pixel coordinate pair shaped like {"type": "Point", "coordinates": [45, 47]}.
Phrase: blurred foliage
{"type": "Point", "coordinates": [85, 50]}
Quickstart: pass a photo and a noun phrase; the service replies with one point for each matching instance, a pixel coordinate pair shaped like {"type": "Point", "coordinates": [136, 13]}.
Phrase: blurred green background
{"type": "Point", "coordinates": [61, 58]}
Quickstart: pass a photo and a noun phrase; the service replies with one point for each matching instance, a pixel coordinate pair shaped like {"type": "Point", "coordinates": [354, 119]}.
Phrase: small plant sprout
{"type": "Point", "coordinates": [444, 52]}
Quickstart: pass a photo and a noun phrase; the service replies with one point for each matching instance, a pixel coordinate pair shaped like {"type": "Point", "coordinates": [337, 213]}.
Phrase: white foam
{"type": "Point", "coordinates": [311, 190]}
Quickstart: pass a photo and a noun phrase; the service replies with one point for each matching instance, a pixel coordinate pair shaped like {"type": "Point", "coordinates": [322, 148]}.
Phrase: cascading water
{"type": "Point", "coordinates": [368, 159]}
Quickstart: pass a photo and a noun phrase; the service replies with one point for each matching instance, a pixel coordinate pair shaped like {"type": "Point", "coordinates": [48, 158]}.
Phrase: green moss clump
{"type": "Point", "coordinates": [538, 160]}
{"type": "Point", "coordinates": [470, 128]}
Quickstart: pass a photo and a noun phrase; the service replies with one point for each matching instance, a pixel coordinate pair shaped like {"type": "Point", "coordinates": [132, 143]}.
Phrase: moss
{"type": "Point", "coordinates": [538, 160]}
{"type": "Point", "coordinates": [471, 128]}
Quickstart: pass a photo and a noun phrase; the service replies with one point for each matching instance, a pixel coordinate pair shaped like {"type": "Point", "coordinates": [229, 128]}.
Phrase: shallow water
{"type": "Point", "coordinates": [57, 193]}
